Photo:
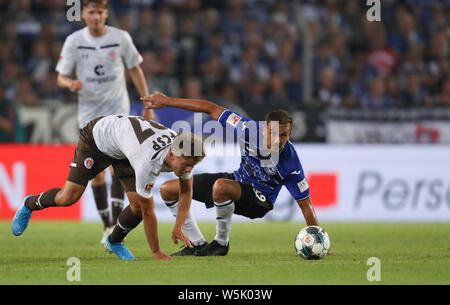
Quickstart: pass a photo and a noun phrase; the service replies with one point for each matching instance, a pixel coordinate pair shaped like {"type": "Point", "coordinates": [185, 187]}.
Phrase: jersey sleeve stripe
{"type": "Point", "coordinates": [110, 46]}
{"type": "Point", "coordinates": [220, 116]}
{"type": "Point", "coordinates": [303, 198]}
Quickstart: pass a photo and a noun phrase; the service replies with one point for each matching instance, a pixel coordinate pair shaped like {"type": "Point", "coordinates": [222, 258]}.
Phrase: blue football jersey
{"type": "Point", "coordinates": [263, 171]}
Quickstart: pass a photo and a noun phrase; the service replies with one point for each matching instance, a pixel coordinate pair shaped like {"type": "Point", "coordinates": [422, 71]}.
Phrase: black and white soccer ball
{"type": "Point", "coordinates": [312, 242]}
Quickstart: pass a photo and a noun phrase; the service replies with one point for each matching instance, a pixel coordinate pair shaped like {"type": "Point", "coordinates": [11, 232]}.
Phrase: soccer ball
{"type": "Point", "coordinates": [312, 242]}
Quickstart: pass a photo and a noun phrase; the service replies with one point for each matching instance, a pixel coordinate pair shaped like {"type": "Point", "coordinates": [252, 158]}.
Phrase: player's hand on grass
{"type": "Point", "coordinates": [156, 100]}
{"type": "Point", "coordinates": [161, 256]}
{"type": "Point", "coordinates": [75, 85]}
{"type": "Point", "coordinates": [177, 234]}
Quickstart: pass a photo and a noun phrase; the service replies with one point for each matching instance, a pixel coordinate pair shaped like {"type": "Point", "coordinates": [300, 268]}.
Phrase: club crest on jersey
{"type": "Point", "coordinates": [112, 54]}
{"type": "Point", "coordinates": [233, 119]}
{"type": "Point", "coordinates": [88, 163]}
{"type": "Point", "coordinates": [271, 170]}
{"type": "Point", "coordinates": [148, 187]}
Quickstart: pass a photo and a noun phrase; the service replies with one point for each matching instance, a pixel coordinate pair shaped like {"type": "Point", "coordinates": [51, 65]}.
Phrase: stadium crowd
{"type": "Point", "coordinates": [245, 53]}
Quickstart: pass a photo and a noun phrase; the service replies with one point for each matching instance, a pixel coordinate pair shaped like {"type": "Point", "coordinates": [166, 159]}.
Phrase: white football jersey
{"type": "Point", "coordinates": [144, 143]}
{"type": "Point", "coordinates": [99, 64]}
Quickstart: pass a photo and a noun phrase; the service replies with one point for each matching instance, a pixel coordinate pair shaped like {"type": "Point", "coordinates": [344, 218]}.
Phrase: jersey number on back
{"type": "Point", "coordinates": [143, 135]}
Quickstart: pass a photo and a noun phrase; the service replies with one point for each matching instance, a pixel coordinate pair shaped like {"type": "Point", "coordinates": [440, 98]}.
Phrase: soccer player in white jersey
{"type": "Point", "coordinates": [138, 150]}
{"type": "Point", "coordinates": [99, 54]}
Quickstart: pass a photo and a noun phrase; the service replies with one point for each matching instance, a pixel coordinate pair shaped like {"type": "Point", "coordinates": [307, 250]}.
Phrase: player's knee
{"type": "Point", "coordinates": [99, 179]}
{"type": "Point", "coordinates": [68, 198]}
{"type": "Point", "coordinates": [135, 208]}
{"type": "Point", "coordinates": [221, 190]}
{"type": "Point", "coordinates": [168, 191]}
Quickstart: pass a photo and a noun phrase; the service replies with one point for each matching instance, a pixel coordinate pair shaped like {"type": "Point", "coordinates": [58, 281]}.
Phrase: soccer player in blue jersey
{"type": "Point", "coordinates": [268, 162]}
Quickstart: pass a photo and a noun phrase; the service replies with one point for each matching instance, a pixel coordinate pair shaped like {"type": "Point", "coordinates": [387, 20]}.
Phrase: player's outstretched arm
{"type": "Point", "coordinates": [308, 212]}
{"type": "Point", "coordinates": [147, 207]}
{"type": "Point", "coordinates": [138, 78]}
{"type": "Point", "coordinates": [184, 204]}
{"type": "Point", "coordinates": [158, 100]}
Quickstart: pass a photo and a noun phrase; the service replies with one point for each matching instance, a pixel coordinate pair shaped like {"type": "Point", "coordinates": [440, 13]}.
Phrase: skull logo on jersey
{"type": "Point", "coordinates": [88, 163]}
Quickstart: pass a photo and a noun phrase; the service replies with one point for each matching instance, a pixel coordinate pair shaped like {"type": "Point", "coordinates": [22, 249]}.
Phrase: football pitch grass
{"type": "Point", "coordinates": [261, 253]}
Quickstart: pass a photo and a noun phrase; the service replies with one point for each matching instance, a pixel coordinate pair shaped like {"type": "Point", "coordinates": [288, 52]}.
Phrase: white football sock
{"type": "Point", "coordinates": [224, 212]}
{"type": "Point", "coordinates": [190, 225]}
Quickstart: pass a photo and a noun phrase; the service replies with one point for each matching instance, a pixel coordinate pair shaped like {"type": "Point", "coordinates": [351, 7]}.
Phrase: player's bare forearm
{"type": "Point", "coordinates": [184, 201]}
{"type": "Point", "coordinates": [64, 81]}
{"type": "Point", "coordinates": [184, 204]}
{"type": "Point", "coordinates": [197, 106]}
{"type": "Point", "coordinates": [158, 100]}
{"type": "Point", "coordinates": [148, 114]}
{"type": "Point", "coordinates": [151, 230]}
{"type": "Point", "coordinates": [308, 212]}
{"type": "Point", "coordinates": [150, 224]}
{"type": "Point", "coordinates": [138, 78]}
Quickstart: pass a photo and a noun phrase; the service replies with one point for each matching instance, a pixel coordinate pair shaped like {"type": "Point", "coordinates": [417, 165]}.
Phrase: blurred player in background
{"type": "Point", "coordinates": [138, 150]}
{"type": "Point", "coordinates": [99, 54]}
{"type": "Point", "coordinates": [252, 189]}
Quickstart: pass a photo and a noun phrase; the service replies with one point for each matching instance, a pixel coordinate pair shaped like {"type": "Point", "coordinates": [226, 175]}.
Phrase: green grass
{"type": "Point", "coordinates": [260, 253]}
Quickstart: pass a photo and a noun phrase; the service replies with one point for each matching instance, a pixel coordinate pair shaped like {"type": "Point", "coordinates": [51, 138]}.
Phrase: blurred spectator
{"type": "Point", "coordinates": [150, 67]}
{"type": "Point", "coordinates": [277, 97]}
{"type": "Point", "coordinates": [165, 78]}
{"type": "Point", "coordinates": [415, 94]}
{"type": "Point", "coordinates": [438, 64]}
{"type": "Point", "coordinates": [26, 94]}
{"type": "Point", "coordinates": [27, 26]}
{"type": "Point", "coordinates": [213, 73]}
{"type": "Point", "coordinates": [54, 17]}
{"type": "Point", "coordinates": [144, 34]}
{"type": "Point", "coordinates": [39, 64]}
{"type": "Point", "coordinates": [187, 45]}
{"type": "Point", "coordinates": [53, 95]}
{"type": "Point", "coordinates": [17, 48]}
{"type": "Point", "coordinates": [249, 67]}
{"type": "Point", "coordinates": [376, 97]}
{"type": "Point", "coordinates": [192, 89]}
{"type": "Point", "coordinates": [327, 94]}
{"type": "Point", "coordinates": [9, 75]}
{"type": "Point", "coordinates": [393, 90]}
{"type": "Point", "coordinates": [443, 99]}
{"type": "Point", "coordinates": [227, 98]}
{"type": "Point", "coordinates": [253, 99]}
{"type": "Point", "coordinates": [10, 128]}
{"type": "Point", "coordinates": [294, 83]}
{"type": "Point", "coordinates": [165, 32]}
{"type": "Point", "coordinates": [381, 56]}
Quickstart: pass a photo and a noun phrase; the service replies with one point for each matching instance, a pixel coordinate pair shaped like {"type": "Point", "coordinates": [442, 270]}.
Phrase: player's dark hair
{"type": "Point", "coordinates": [101, 3]}
{"type": "Point", "coordinates": [280, 115]}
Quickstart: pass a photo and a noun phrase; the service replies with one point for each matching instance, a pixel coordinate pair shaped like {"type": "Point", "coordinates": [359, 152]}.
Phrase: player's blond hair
{"type": "Point", "coordinates": [188, 145]}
